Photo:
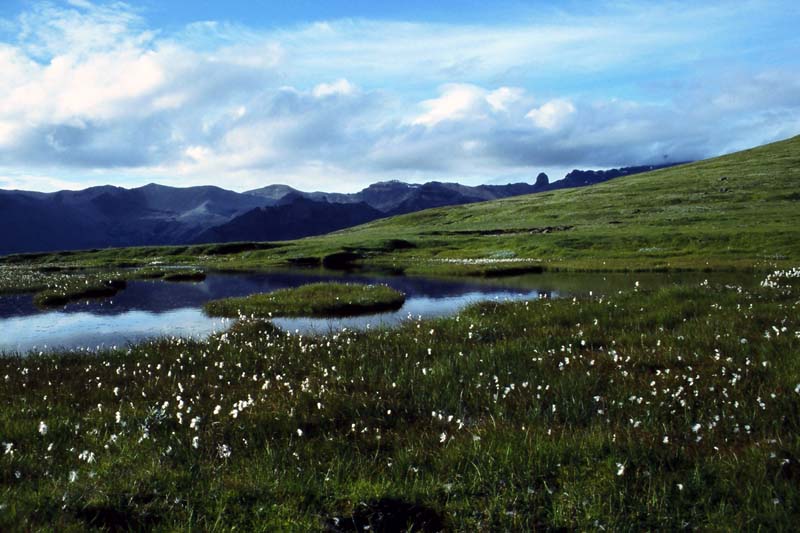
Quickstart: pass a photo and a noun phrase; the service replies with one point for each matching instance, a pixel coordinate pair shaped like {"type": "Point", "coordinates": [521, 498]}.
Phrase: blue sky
{"type": "Point", "coordinates": [336, 95]}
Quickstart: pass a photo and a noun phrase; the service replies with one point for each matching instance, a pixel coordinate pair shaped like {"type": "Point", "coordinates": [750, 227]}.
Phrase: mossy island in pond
{"type": "Point", "coordinates": [169, 274]}
{"type": "Point", "coordinates": [77, 289]}
{"type": "Point", "coordinates": [313, 300]}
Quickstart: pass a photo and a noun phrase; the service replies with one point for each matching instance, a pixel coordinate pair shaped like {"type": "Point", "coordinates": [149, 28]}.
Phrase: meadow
{"type": "Point", "coordinates": [674, 408]}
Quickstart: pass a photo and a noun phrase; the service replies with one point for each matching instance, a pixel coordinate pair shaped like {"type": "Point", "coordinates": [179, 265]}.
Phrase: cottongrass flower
{"type": "Point", "coordinates": [42, 428]}
{"type": "Point", "coordinates": [224, 451]}
{"type": "Point", "coordinates": [73, 476]}
{"type": "Point", "coordinates": [620, 469]}
{"type": "Point", "coordinates": [87, 456]}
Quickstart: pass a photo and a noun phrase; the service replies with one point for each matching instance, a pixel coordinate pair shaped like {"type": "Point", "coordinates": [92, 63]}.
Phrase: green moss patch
{"type": "Point", "coordinates": [169, 274]}
{"type": "Point", "coordinates": [315, 300]}
{"type": "Point", "coordinates": [78, 289]}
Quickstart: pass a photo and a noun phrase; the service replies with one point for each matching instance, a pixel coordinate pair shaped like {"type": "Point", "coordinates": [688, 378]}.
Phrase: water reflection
{"type": "Point", "coordinates": [147, 309]}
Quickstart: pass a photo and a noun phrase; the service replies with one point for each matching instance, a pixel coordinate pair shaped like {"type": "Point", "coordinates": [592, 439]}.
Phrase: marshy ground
{"type": "Point", "coordinates": [673, 408]}
{"type": "Point", "coordinates": [311, 300]}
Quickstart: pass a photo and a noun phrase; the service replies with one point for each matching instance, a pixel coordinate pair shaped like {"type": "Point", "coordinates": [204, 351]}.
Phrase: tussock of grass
{"type": "Point", "coordinates": [186, 275]}
{"type": "Point", "coordinates": [666, 410]}
{"type": "Point", "coordinates": [313, 300]}
{"type": "Point", "coordinates": [168, 274]}
{"type": "Point", "coordinates": [59, 285]}
{"type": "Point", "coordinates": [77, 289]}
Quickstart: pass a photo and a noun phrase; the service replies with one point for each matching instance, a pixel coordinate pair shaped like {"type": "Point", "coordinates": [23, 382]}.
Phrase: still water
{"type": "Point", "coordinates": [147, 309]}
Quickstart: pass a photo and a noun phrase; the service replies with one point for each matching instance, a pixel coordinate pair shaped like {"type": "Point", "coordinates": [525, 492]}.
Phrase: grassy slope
{"type": "Point", "coordinates": [677, 217]}
{"type": "Point", "coordinates": [681, 217]}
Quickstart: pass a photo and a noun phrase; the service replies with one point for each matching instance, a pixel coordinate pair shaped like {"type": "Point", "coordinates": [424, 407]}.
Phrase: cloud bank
{"type": "Point", "coordinates": [92, 93]}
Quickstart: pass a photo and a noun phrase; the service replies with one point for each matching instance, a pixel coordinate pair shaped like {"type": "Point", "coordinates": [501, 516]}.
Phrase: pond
{"type": "Point", "coordinates": [148, 309]}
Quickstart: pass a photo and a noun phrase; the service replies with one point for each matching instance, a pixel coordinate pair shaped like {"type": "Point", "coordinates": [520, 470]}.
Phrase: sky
{"type": "Point", "coordinates": [336, 95]}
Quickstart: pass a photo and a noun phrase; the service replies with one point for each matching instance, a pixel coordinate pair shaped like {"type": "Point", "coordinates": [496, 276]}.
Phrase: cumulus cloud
{"type": "Point", "coordinates": [552, 115]}
{"type": "Point", "coordinates": [43, 183]}
{"type": "Point", "coordinates": [457, 102]}
{"type": "Point", "coordinates": [91, 88]}
{"type": "Point", "coordinates": [500, 99]}
{"type": "Point", "coordinates": [341, 86]}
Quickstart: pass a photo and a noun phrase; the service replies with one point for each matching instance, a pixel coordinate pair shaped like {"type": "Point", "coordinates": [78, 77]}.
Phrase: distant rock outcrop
{"type": "Point", "coordinates": [542, 180]}
{"type": "Point", "coordinates": [582, 178]}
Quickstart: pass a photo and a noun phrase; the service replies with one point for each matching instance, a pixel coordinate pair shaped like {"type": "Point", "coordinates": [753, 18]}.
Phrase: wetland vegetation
{"type": "Point", "coordinates": [672, 408]}
{"type": "Point", "coordinates": [312, 300]}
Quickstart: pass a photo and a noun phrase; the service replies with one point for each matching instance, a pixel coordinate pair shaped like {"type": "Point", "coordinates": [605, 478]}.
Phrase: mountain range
{"type": "Point", "coordinates": [108, 216]}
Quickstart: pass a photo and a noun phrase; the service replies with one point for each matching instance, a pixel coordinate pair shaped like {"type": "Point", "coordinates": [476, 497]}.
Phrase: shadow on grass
{"type": "Point", "coordinates": [111, 518]}
{"type": "Point", "coordinates": [387, 515]}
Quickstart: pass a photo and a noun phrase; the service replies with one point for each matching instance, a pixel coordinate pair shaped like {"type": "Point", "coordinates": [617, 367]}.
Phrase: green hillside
{"type": "Point", "coordinates": [738, 211]}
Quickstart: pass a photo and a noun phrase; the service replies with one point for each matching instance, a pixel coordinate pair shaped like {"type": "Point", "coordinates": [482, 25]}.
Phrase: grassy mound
{"type": "Point", "coordinates": [73, 289]}
{"type": "Point", "coordinates": [315, 299]}
{"type": "Point", "coordinates": [169, 274]}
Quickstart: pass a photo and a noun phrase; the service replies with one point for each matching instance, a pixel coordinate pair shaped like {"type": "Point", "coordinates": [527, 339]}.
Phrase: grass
{"type": "Point", "coordinates": [736, 212]}
{"type": "Point", "coordinates": [677, 408]}
{"type": "Point", "coordinates": [55, 286]}
{"type": "Point", "coordinates": [314, 300]}
{"type": "Point", "coordinates": [168, 274]}
{"type": "Point", "coordinates": [78, 288]}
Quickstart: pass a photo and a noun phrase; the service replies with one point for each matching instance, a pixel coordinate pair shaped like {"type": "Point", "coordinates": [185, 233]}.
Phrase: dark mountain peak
{"type": "Point", "coordinates": [295, 218]}
{"type": "Point", "coordinates": [158, 188]}
{"type": "Point", "coordinates": [391, 185]}
{"type": "Point", "coordinates": [296, 197]}
{"type": "Point", "coordinates": [542, 180]}
{"type": "Point", "coordinates": [273, 192]}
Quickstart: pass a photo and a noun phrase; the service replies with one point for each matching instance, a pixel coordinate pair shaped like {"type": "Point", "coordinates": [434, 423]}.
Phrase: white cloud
{"type": "Point", "coordinates": [458, 101]}
{"type": "Point", "coordinates": [501, 98]}
{"type": "Point", "coordinates": [552, 115]}
{"type": "Point", "coordinates": [90, 88]}
{"type": "Point", "coordinates": [46, 30]}
{"type": "Point", "coordinates": [461, 101]}
{"type": "Point", "coordinates": [41, 183]}
{"type": "Point", "coordinates": [341, 86]}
